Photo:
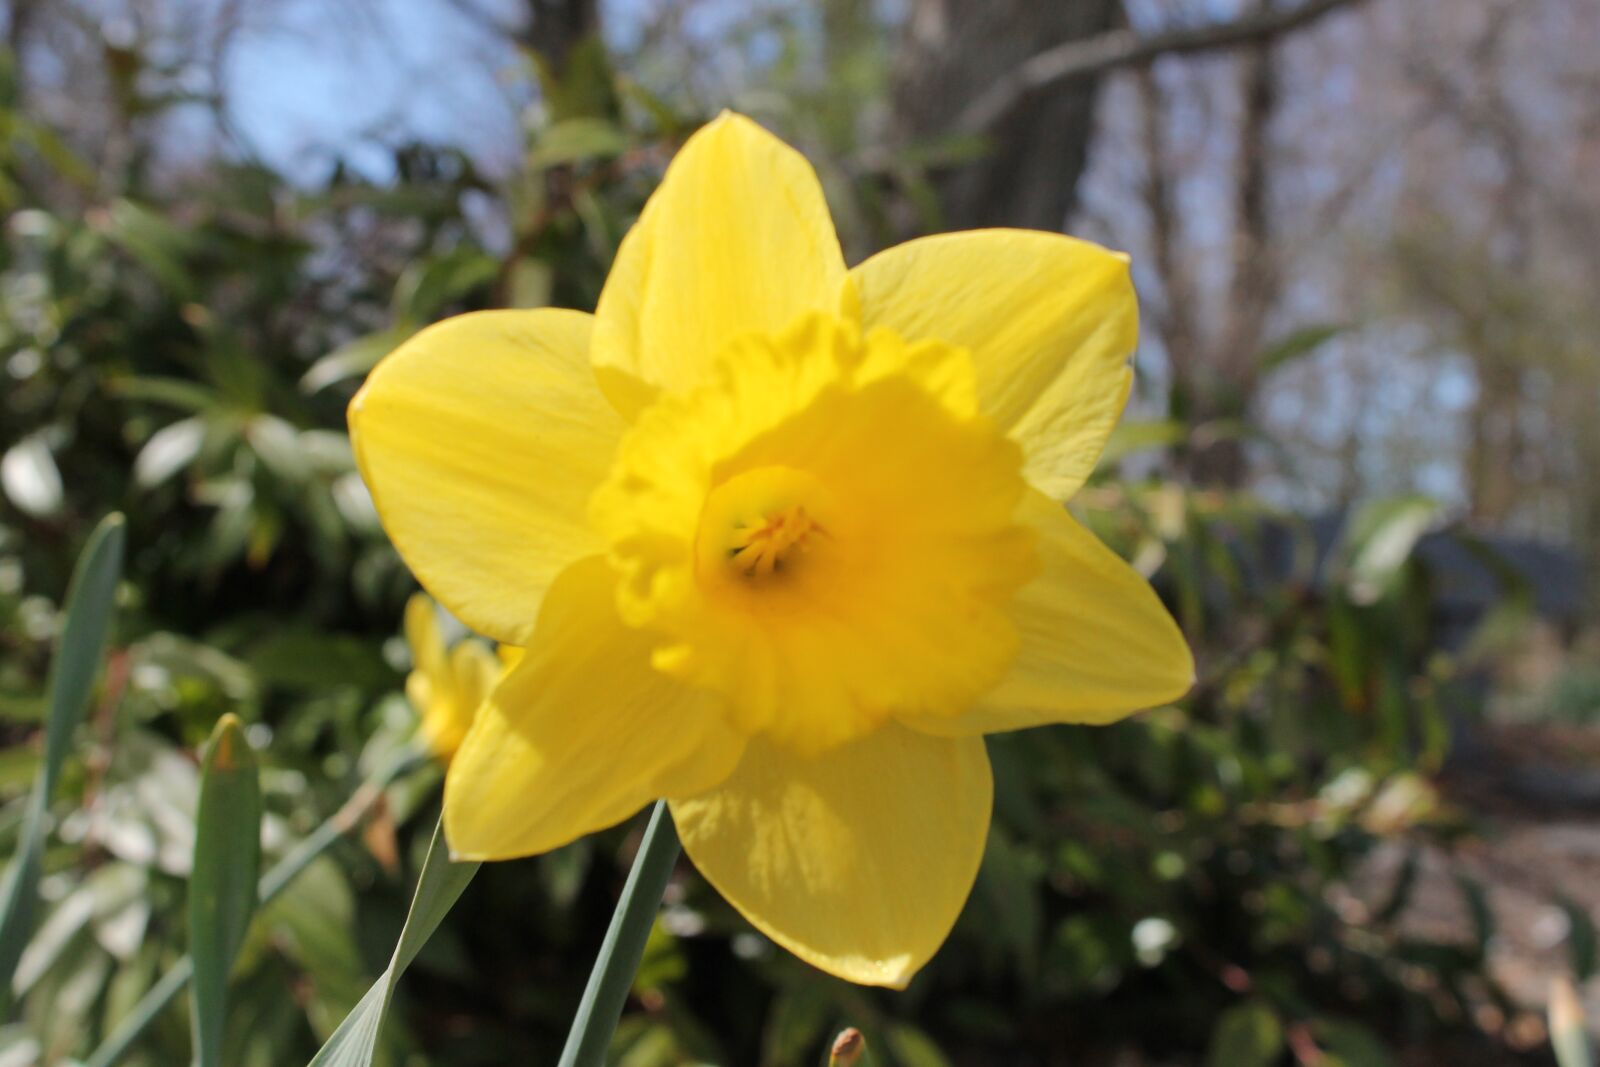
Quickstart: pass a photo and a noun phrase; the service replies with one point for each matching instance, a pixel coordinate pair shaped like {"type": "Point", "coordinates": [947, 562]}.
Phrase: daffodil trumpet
{"type": "Point", "coordinates": [782, 539]}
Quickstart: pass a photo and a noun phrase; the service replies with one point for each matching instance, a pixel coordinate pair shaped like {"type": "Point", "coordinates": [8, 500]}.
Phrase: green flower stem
{"type": "Point", "coordinates": [623, 947]}
{"type": "Point", "coordinates": [275, 881]}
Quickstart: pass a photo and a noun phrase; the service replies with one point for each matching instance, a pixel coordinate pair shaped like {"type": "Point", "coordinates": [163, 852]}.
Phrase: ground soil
{"type": "Point", "coordinates": [1531, 798]}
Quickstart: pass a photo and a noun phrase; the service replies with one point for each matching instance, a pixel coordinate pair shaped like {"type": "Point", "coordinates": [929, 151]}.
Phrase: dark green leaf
{"type": "Point", "coordinates": [89, 604]}
{"type": "Point", "coordinates": [222, 887]}
{"type": "Point", "coordinates": [620, 952]}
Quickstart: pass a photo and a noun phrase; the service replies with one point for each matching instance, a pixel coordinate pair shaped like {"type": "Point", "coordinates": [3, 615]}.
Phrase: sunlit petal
{"type": "Point", "coordinates": [736, 240]}
{"type": "Point", "coordinates": [1051, 322]}
{"type": "Point", "coordinates": [1097, 643]}
{"type": "Point", "coordinates": [857, 861]}
{"type": "Point", "coordinates": [581, 734]}
{"type": "Point", "coordinates": [481, 439]}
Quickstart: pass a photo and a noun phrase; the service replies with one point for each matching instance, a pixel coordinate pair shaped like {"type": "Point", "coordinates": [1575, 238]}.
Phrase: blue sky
{"type": "Point", "coordinates": [305, 82]}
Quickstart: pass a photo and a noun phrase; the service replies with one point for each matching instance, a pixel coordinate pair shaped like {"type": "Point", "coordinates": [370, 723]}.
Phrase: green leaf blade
{"type": "Point", "coordinates": [618, 960]}
{"type": "Point", "coordinates": [439, 886]}
{"type": "Point", "coordinates": [222, 886]}
{"type": "Point", "coordinates": [88, 614]}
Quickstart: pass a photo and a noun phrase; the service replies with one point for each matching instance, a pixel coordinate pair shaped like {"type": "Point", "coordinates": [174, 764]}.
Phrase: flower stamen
{"type": "Point", "coordinates": [761, 547]}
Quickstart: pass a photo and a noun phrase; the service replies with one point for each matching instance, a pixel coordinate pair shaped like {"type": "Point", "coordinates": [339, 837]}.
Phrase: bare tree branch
{"type": "Point", "coordinates": [1120, 48]}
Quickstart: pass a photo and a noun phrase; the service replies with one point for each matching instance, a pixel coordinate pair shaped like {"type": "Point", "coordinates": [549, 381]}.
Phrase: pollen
{"type": "Point", "coordinates": [762, 547]}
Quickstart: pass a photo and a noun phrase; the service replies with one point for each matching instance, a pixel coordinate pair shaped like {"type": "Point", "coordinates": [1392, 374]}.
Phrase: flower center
{"type": "Point", "coordinates": [762, 529]}
{"type": "Point", "coordinates": [759, 548]}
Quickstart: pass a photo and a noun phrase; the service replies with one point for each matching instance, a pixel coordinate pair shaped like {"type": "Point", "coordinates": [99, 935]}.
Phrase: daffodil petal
{"type": "Point", "coordinates": [859, 860]}
{"type": "Point", "coordinates": [423, 637]}
{"type": "Point", "coordinates": [476, 670]}
{"type": "Point", "coordinates": [581, 734]}
{"type": "Point", "coordinates": [1051, 322]}
{"type": "Point", "coordinates": [480, 440]}
{"type": "Point", "coordinates": [736, 240]}
{"type": "Point", "coordinates": [1097, 643]}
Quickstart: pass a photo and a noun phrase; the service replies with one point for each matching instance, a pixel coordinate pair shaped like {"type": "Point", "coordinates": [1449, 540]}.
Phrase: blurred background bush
{"type": "Point", "coordinates": [1360, 464]}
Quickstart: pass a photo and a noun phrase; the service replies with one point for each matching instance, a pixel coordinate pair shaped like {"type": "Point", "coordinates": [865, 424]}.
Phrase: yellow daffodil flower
{"type": "Point", "coordinates": [783, 540]}
{"type": "Point", "coordinates": [446, 686]}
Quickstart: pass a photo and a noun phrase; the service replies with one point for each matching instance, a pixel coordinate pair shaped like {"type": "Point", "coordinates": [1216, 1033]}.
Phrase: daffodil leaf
{"type": "Point", "coordinates": [84, 633]}
{"type": "Point", "coordinates": [618, 960]}
{"type": "Point", "coordinates": [222, 889]}
{"type": "Point", "coordinates": [438, 887]}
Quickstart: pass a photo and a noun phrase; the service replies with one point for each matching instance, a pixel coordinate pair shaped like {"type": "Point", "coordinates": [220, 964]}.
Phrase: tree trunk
{"type": "Point", "coordinates": [555, 27]}
{"type": "Point", "coordinates": [952, 51]}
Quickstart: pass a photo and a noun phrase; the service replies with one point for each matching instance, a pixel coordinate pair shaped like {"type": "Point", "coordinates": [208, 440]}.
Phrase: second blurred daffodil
{"type": "Point", "coordinates": [783, 541]}
{"type": "Point", "coordinates": [445, 685]}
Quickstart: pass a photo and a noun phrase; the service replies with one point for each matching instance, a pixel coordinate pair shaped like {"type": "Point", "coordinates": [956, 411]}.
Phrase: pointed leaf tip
{"type": "Point", "coordinates": [225, 738]}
